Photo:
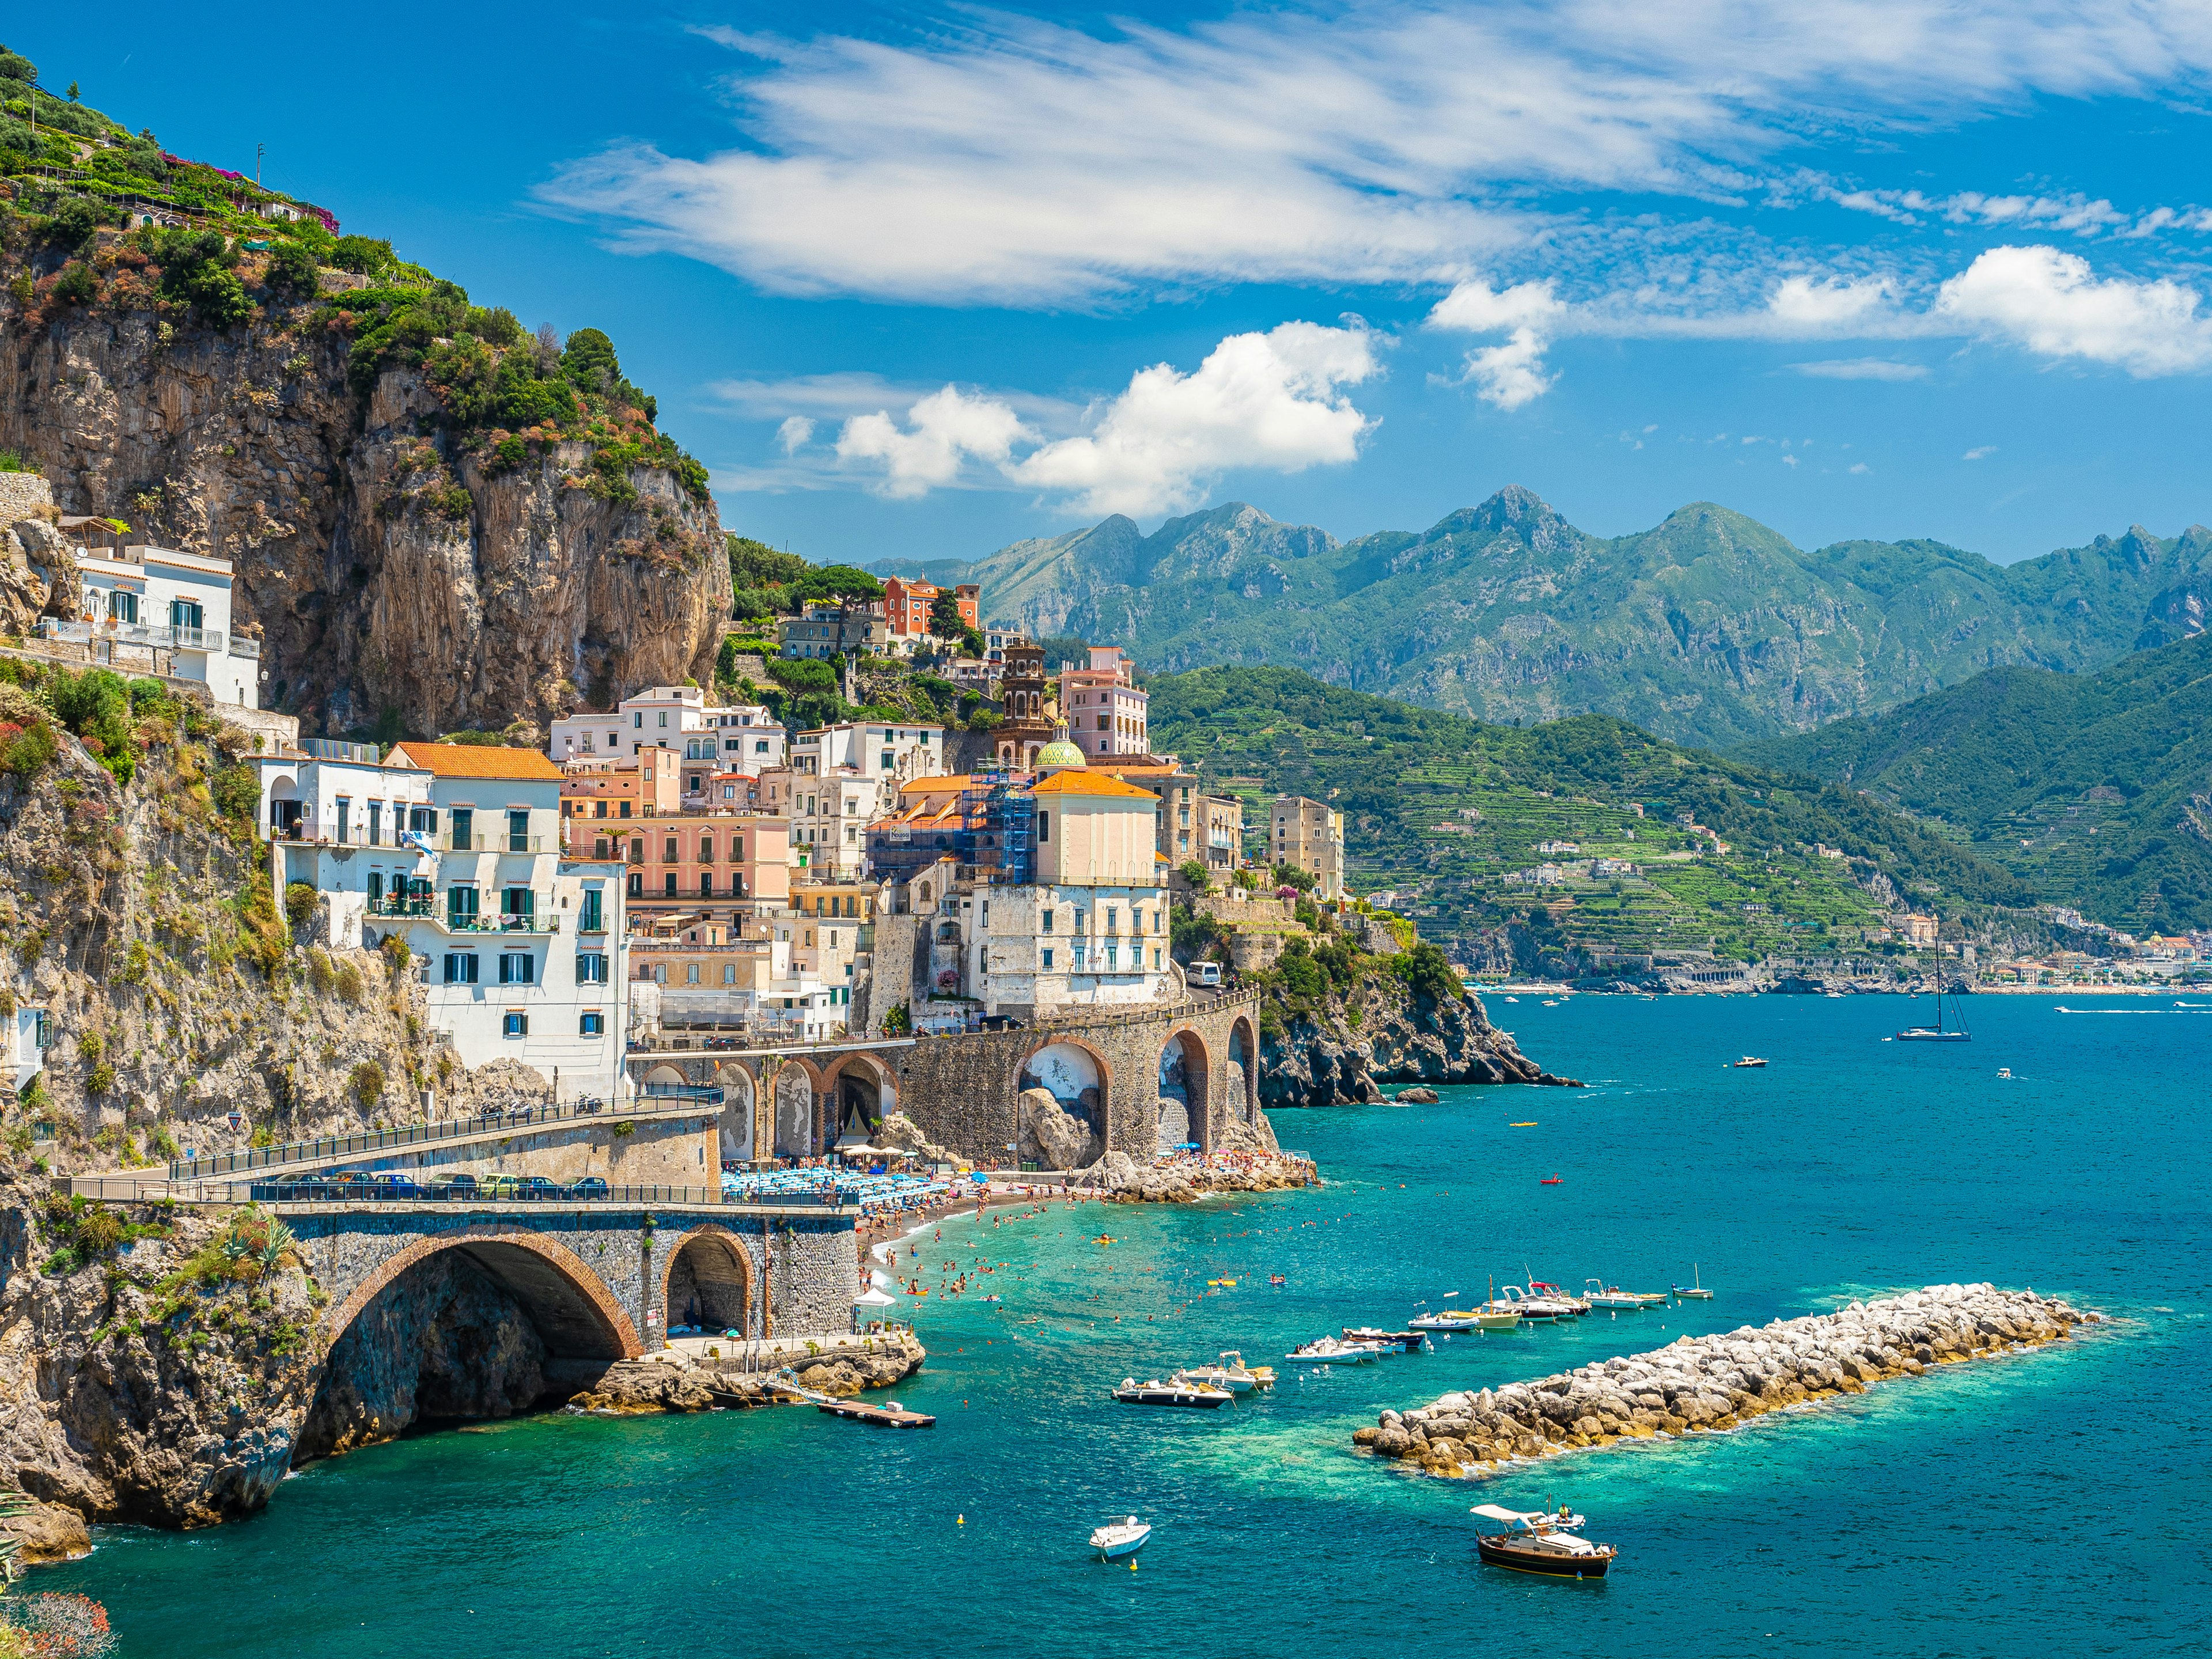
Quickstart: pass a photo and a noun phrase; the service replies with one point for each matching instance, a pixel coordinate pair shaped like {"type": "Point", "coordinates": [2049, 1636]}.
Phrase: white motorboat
{"type": "Point", "coordinates": [1230, 1374]}
{"type": "Point", "coordinates": [1599, 1295]}
{"type": "Point", "coordinates": [1695, 1292]}
{"type": "Point", "coordinates": [1177, 1390]}
{"type": "Point", "coordinates": [1117, 1539]}
{"type": "Point", "coordinates": [1542, 1544]}
{"type": "Point", "coordinates": [1333, 1351]}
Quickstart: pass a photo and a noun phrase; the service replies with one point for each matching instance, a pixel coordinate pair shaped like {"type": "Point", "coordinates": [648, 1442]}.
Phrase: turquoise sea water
{"type": "Point", "coordinates": [2055, 1502]}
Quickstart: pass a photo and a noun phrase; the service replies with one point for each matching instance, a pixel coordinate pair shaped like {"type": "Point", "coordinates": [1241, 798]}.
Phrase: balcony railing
{"type": "Point", "coordinates": [247, 648]}
{"type": "Point", "coordinates": [435, 908]}
{"type": "Point", "coordinates": [147, 634]}
{"type": "Point", "coordinates": [197, 639]}
{"type": "Point", "coordinates": [493, 841]}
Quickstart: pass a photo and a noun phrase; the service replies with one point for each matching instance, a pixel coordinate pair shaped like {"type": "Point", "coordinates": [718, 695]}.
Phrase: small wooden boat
{"type": "Point", "coordinates": [1186, 1392]}
{"type": "Point", "coordinates": [1748, 1063]}
{"type": "Point", "coordinates": [1403, 1342]}
{"type": "Point", "coordinates": [1549, 1180]}
{"type": "Point", "coordinates": [1332, 1351]}
{"type": "Point", "coordinates": [1117, 1539]}
{"type": "Point", "coordinates": [1541, 1544]}
{"type": "Point", "coordinates": [1695, 1292]}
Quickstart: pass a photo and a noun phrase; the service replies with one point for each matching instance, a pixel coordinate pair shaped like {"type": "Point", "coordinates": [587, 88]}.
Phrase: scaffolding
{"type": "Point", "coordinates": [997, 827]}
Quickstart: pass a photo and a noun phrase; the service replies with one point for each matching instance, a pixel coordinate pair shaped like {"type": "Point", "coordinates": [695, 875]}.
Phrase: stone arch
{"type": "Point", "coordinates": [665, 1074]}
{"type": "Point", "coordinates": [856, 1088]}
{"type": "Point", "coordinates": [1079, 1078]}
{"type": "Point", "coordinates": [1182, 1100]}
{"type": "Point", "coordinates": [709, 1281]}
{"type": "Point", "coordinates": [575, 1314]}
{"type": "Point", "coordinates": [736, 1124]}
{"type": "Point", "coordinates": [794, 1132]}
{"type": "Point", "coordinates": [1244, 1070]}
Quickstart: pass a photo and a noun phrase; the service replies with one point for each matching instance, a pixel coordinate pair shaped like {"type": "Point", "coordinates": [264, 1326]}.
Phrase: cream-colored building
{"type": "Point", "coordinates": [1309, 836]}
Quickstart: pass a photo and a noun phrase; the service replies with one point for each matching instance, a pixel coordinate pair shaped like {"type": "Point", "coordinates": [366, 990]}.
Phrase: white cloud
{"type": "Point", "coordinates": [2053, 304]}
{"type": "Point", "coordinates": [1510, 374]}
{"type": "Point", "coordinates": [1271, 401]}
{"type": "Point", "coordinates": [1980, 452]}
{"type": "Point", "coordinates": [1861, 466]}
{"type": "Point", "coordinates": [1011, 160]}
{"type": "Point", "coordinates": [794, 434]}
{"type": "Point", "coordinates": [1862, 368]}
{"type": "Point", "coordinates": [943, 431]}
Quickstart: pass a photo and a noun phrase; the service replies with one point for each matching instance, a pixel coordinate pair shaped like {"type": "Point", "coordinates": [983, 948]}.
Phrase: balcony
{"type": "Point", "coordinates": [437, 908]}
{"type": "Point", "coordinates": [250, 649]}
{"type": "Point", "coordinates": [194, 638]}
{"type": "Point", "coordinates": [497, 841]}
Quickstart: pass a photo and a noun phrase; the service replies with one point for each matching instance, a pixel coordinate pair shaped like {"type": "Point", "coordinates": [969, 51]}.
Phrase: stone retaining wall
{"type": "Point", "coordinates": [22, 494]}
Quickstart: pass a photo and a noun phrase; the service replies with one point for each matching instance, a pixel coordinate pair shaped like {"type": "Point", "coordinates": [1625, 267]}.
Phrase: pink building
{"type": "Point", "coordinates": [1106, 714]}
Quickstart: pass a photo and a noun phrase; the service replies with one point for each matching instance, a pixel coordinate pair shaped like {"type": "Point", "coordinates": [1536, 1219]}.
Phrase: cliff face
{"type": "Point", "coordinates": [384, 565]}
{"type": "Point", "coordinates": [1341, 1049]}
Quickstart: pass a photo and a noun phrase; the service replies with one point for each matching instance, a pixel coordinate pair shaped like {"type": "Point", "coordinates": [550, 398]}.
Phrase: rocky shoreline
{"type": "Point", "coordinates": [1340, 1050]}
{"type": "Point", "coordinates": [673, 1381]}
{"type": "Point", "coordinates": [1708, 1384]}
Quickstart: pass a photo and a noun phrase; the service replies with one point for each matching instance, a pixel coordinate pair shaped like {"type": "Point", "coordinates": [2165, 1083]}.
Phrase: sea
{"type": "Point", "coordinates": [2052, 1502]}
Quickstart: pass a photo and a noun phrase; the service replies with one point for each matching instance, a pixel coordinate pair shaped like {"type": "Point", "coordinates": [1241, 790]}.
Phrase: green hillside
{"type": "Point", "coordinates": [1442, 807]}
{"type": "Point", "coordinates": [1709, 629]}
{"type": "Point", "coordinates": [2096, 788]}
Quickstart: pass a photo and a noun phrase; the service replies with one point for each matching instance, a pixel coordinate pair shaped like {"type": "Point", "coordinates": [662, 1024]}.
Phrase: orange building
{"type": "Point", "coordinates": [694, 858]}
{"type": "Point", "coordinates": [906, 604]}
{"type": "Point", "coordinates": [604, 787]}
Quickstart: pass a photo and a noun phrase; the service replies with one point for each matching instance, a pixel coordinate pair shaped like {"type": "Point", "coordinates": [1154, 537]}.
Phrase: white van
{"type": "Point", "coordinates": [1203, 973]}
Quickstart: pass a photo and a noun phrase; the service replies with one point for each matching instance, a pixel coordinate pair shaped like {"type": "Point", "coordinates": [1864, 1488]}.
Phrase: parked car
{"type": "Point", "coordinates": [589, 1187]}
{"type": "Point", "coordinates": [499, 1186]}
{"type": "Point", "coordinates": [538, 1187]}
{"type": "Point", "coordinates": [453, 1186]}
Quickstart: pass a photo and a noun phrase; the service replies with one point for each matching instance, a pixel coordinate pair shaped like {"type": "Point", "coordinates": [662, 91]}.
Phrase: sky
{"type": "Point", "coordinates": [917, 281]}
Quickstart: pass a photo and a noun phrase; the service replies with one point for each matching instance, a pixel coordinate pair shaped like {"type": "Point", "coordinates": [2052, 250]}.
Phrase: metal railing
{"type": "Point", "coordinates": [247, 648]}
{"type": "Point", "coordinates": [679, 1092]}
{"type": "Point", "coordinates": [493, 1119]}
{"type": "Point", "coordinates": [427, 907]}
{"type": "Point", "coordinates": [485, 1191]}
{"type": "Point", "coordinates": [493, 841]}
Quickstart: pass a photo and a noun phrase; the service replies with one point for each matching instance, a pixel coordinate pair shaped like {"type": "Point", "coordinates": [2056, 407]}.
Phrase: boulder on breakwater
{"type": "Point", "coordinates": [1717, 1382]}
{"type": "Point", "coordinates": [673, 1381]}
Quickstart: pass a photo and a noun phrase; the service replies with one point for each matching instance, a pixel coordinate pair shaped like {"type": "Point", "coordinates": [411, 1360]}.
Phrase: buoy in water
{"type": "Point", "coordinates": [961, 1521]}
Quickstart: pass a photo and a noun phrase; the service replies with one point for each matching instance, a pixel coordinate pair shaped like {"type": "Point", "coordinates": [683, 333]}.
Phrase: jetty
{"type": "Point", "coordinates": [1707, 1383]}
{"type": "Point", "coordinates": [893, 1416]}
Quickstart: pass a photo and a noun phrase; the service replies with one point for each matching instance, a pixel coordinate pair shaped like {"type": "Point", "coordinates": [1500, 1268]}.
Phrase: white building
{"type": "Point", "coordinates": [25, 1036]}
{"type": "Point", "coordinates": [830, 818]}
{"type": "Point", "coordinates": [885, 755]}
{"type": "Point", "coordinates": [520, 950]}
{"type": "Point", "coordinates": [174, 603]}
{"type": "Point", "coordinates": [735, 737]}
{"type": "Point", "coordinates": [1094, 927]}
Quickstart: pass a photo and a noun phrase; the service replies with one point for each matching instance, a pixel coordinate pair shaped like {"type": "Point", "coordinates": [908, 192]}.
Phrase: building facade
{"type": "Point", "coordinates": [1308, 835]}
{"type": "Point", "coordinates": [742, 737]}
{"type": "Point", "coordinates": [907, 606]}
{"type": "Point", "coordinates": [1106, 713]}
{"type": "Point", "coordinates": [177, 604]}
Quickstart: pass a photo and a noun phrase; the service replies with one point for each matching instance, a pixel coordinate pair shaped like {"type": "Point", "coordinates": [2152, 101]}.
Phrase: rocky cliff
{"type": "Point", "coordinates": [406, 563]}
{"type": "Point", "coordinates": [1339, 1049]}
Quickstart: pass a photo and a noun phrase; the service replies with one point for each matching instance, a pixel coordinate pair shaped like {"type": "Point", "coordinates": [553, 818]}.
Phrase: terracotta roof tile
{"type": "Point", "coordinates": [462, 760]}
{"type": "Point", "coordinates": [1073, 782]}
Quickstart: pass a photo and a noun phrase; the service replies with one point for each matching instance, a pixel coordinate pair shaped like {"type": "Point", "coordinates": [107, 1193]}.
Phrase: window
{"type": "Point", "coordinates": [690, 973]}
{"type": "Point", "coordinates": [517, 832]}
{"type": "Point", "coordinates": [737, 849]}
{"type": "Point", "coordinates": [887, 760]}
{"type": "Point", "coordinates": [1047, 922]}
{"type": "Point", "coordinates": [187, 613]}
{"type": "Point", "coordinates": [592, 1025]}
{"type": "Point", "coordinates": [123, 606]}
{"type": "Point", "coordinates": [1044, 827]}
{"type": "Point", "coordinates": [461, 908]}
{"type": "Point", "coordinates": [594, 919]}
{"type": "Point", "coordinates": [375, 822]}
{"type": "Point", "coordinates": [464, 820]}
{"type": "Point", "coordinates": [460, 968]}
{"type": "Point", "coordinates": [760, 746]}
{"type": "Point", "coordinates": [706, 883]}
{"type": "Point", "coordinates": [707, 849]}
{"type": "Point", "coordinates": [637, 721]}
{"type": "Point", "coordinates": [591, 968]}
{"type": "Point", "coordinates": [516, 1025]}
{"type": "Point", "coordinates": [636, 885]}
{"type": "Point", "coordinates": [668, 849]}
{"type": "Point", "coordinates": [599, 849]}
{"type": "Point", "coordinates": [517, 905]}
{"type": "Point", "coordinates": [729, 973]}
{"type": "Point", "coordinates": [1102, 719]}
{"type": "Point", "coordinates": [668, 884]}
{"type": "Point", "coordinates": [663, 719]}
{"type": "Point", "coordinates": [518, 967]}
{"type": "Point", "coordinates": [345, 807]}
{"type": "Point", "coordinates": [375, 887]}
{"type": "Point", "coordinates": [424, 818]}
{"type": "Point", "coordinates": [1048, 958]}
{"type": "Point", "coordinates": [613, 738]}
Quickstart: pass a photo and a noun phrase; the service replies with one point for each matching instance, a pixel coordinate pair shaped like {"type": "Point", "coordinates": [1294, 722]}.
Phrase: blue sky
{"type": "Point", "coordinates": [920, 279]}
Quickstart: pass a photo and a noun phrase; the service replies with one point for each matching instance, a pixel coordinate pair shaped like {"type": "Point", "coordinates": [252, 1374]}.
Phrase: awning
{"type": "Point", "coordinates": [1491, 1512]}
{"type": "Point", "coordinates": [874, 1298]}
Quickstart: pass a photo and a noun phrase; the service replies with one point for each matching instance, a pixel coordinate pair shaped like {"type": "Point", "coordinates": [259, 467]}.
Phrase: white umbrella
{"type": "Point", "coordinates": [874, 1298]}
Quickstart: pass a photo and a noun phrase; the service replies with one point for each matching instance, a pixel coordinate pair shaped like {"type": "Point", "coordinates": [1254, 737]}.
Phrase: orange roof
{"type": "Point", "coordinates": [935, 783]}
{"type": "Point", "coordinates": [1075, 782]}
{"type": "Point", "coordinates": [463, 759]}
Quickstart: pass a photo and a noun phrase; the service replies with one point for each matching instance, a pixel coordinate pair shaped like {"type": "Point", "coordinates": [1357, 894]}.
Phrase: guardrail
{"type": "Point", "coordinates": [312, 1190]}
{"type": "Point", "coordinates": [378, 1140]}
{"type": "Point", "coordinates": [680, 1091]}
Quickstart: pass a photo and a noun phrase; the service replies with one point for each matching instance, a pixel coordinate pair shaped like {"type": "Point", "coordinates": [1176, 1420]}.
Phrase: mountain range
{"type": "Point", "coordinates": [2095, 789]}
{"type": "Point", "coordinates": [1709, 629]}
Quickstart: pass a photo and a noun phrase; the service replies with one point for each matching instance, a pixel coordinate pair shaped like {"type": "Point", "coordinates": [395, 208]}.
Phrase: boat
{"type": "Point", "coordinates": [1117, 1539]}
{"type": "Point", "coordinates": [1400, 1341]}
{"type": "Point", "coordinates": [1748, 1063]}
{"type": "Point", "coordinates": [1535, 1305]}
{"type": "Point", "coordinates": [2004, 1071]}
{"type": "Point", "coordinates": [1230, 1374]}
{"type": "Point", "coordinates": [1573, 1304]}
{"type": "Point", "coordinates": [1333, 1351]}
{"type": "Point", "coordinates": [1521, 1126]}
{"type": "Point", "coordinates": [1598, 1294]}
{"type": "Point", "coordinates": [1533, 1541]}
{"type": "Point", "coordinates": [1176, 1391]}
{"type": "Point", "coordinates": [1549, 1180]}
{"type": "Point", "coordinates": [1651, 1298]}
{"type": "Point", "coordinates": [1697, 1292]}
{"type": "Point", "coordinates": [1938, 1032]}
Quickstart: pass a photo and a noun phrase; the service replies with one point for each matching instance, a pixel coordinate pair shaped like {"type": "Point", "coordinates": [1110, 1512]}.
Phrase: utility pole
{"type": "Point", "coordinates": [260, 150]}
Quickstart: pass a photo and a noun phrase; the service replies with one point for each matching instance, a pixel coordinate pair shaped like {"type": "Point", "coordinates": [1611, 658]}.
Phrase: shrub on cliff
{"type": "Point", "coordinates": [1428, 973]}
{"type": "Point", "coordinates": [95, 705]}
{"type": "Point", "coordinates": [368, 1083]}
{"type": "Point", "coordinates": [292, 269]}
{"type": "Point", "coordinates": [199, 269]}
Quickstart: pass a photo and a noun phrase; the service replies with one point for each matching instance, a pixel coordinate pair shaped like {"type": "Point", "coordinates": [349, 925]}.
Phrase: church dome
{"type": "Point", "coordinates": [1059, 754]}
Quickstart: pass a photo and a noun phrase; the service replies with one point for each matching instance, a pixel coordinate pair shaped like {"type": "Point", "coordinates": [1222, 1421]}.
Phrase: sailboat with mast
{"type": "Point", "coordinates": [1939, 1032]}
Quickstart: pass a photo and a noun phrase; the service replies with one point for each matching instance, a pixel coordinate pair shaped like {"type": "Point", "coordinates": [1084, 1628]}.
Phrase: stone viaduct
{"type": "Point", "coordinates": [600, 1280]}
{"type": "Point", "coordinates": [1145, 1077]}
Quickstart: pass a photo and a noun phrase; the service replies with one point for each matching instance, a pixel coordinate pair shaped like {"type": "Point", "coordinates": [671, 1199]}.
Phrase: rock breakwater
{"type": "Point", "coordinates": [1704, 1383]}
{"type": "Point", "coordinates": [672, 1381]}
